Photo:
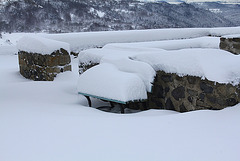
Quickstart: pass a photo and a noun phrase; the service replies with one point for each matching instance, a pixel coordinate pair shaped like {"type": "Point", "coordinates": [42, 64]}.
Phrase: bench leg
{"type": "Point", "coordinates": [112, 105]}
{"type": "Point", "coordinates": [122, 108]}
{"type": "Point", "coordinates": [89, 101]}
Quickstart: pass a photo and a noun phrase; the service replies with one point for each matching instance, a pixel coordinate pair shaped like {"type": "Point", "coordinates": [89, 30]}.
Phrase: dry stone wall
{"type": "Point", "coordinates": [230, 44]}
{"type": "Point", "coordinates": [85, 66]}
{"type": "Point", "coordinates": [189, 93]}
{"type": "Point", "coordinates": [183, 94]}
{"type": "Point", "coordinates": [40, 67]}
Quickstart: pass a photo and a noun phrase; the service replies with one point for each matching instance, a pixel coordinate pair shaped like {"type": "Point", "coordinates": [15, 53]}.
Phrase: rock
{"type": "Point", "coordinates": [231, 101]}
{"type": "Point", "coordinates": [206, 88]}
{"type": "Point", "coordinates": [201, 96]}
{"type": "Point", "coordinates": [178, 93]}
{"type": "Point", "coordinates": [158, 90]}
{"type": "Point", "coordinates": [191, 79]}
{"type": "Point", "coordinates": [159, 104]}
{"type": "Point", "coordinates": [182, 108]}
{"type": "Point", "coordinates": [169, 105]}
{"type": "Point", "coordinates": [190, 99]}
{"type": "Point", "coordinates": [167, 78]}
{"type": "Point", "coordinates": [167, 89]}
{"type": "Point", "coordinates": [211, 99]}
{"type": "Point", "coordinates": [192, 92]}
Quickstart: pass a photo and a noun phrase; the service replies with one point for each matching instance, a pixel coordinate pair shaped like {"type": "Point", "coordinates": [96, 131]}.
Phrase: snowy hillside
{"type": "Point", "coordinates": [75, 15]}
{"type": "Point", "coordinates": [49, 121]}
{"type": "Point", "coordinates": [228, 11]}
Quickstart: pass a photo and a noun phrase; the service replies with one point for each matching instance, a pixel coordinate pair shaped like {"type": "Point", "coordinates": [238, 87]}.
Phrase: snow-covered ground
{"type": "Point", "coordinates": [85, 40]}
{"type": "Point", "coordinates": [49, 121]}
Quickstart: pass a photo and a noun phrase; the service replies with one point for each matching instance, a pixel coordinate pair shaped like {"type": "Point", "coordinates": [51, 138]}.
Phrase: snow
{"type": "Point", "coordinates": [7, 50]}
{"type": "Point", "coordinates": [100, 14]}
{"type": "Point", "coordinates": [221, 1]}
{"type": "Point", "coordinates": [86, 40]}
{"type": "Point", "coordinates": [143, 70]}
{"type": "Point", "coordinates": [95, 55]}
{"type": "Point", "coordinates": [49, 121]}
{"type": "Point", "coordinates": [215, 10]}
{"type": "Point", "coordinates": [184, 57]}
{"type": "Point", "coordinates": [132, 49]}
{"type": "Point", "coordinates": [40, 45]}
{"type": "Point", "coordinates": [197, 62]}
{"type": "Point", "coordinates": [123, 11]}
{"type": "Point", "coordinates": [232, 36]}
{"type": "Point", "coordinates": [200, 42]}
{"type": "Point", "coordinates": [106, 81]}
{"type": "Point", "coordinates": [80, 41]}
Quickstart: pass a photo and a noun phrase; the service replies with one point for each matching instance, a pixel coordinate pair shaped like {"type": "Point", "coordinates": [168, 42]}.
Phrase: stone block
{"type": "Point", "coordinates": [67, 68]}
{"type": "Point", "coordinates": [178, 93]}
{"type": "Point", "coordinates": [206, 88]}
{"type": "Point", "coordinates": [40, 67]}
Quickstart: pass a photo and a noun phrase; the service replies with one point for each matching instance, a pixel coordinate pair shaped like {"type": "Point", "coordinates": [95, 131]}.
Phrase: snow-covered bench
{"type": "Point", "coordinates": [122, 104]}
{"type": "Point", "coordinates": [108, 83]}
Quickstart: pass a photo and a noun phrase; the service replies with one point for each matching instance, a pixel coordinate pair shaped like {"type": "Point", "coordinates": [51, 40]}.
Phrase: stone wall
{"type": "Point", "coordinates": [187, 93]}
{"type": "Point", "coordinates": [85, 66]}
{"type": "Point", "coordinates": [230, 44]}
{"type": "Point", "coordinates": [190, 93]}
{"type": "Point", "coordinates": [40, 67]}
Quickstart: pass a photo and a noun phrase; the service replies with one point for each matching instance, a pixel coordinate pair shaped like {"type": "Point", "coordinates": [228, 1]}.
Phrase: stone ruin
{"type": "Point", "coordinates": [40, 67]}
{"type": "Point", "coordinates": [188, 93]}
{"type": "Point", "coordinates": [43, 67]}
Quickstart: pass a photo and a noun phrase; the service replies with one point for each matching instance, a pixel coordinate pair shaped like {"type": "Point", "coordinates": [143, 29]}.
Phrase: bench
{"type": "Point", "coordinates": [122, 104]}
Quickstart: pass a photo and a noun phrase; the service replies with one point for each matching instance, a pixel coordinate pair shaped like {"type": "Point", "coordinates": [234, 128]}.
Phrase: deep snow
{"type": "Point", "coordinates": [105, 80]}
{"type": "Point", "coordinates": [49, 121]}
{"type": "Point", "coordinates": [37, 44]}
{"type": "Point", "coordinates": [86, 40]}
{"type": "Point", "coordinates": [178, 58]}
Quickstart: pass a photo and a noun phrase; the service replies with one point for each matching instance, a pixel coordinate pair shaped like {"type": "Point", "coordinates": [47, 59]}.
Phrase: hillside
{"type": "Point", "coordinates": [228, 11]}
{"type": "Point", "coordinates": [84, 15]}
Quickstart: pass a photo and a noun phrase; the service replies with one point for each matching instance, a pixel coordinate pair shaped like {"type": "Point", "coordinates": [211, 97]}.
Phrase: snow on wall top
{"type": "Point", "coordinates": [86, 40]}
{"type": "Point", "coordinates": [132, 49]}
{"type": "Point", "coordinates": [106, 81]}
{"type": "Point", "coordinates": [40, 45]}
{"type": "Point", "coordinates": [190, 58]}
{"type": "Point", "coordinates": [200, 42]}
{"type": "Point", "coordinates": [213, 64]}
{"type": "Point", "coordinates": [232, 36]}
